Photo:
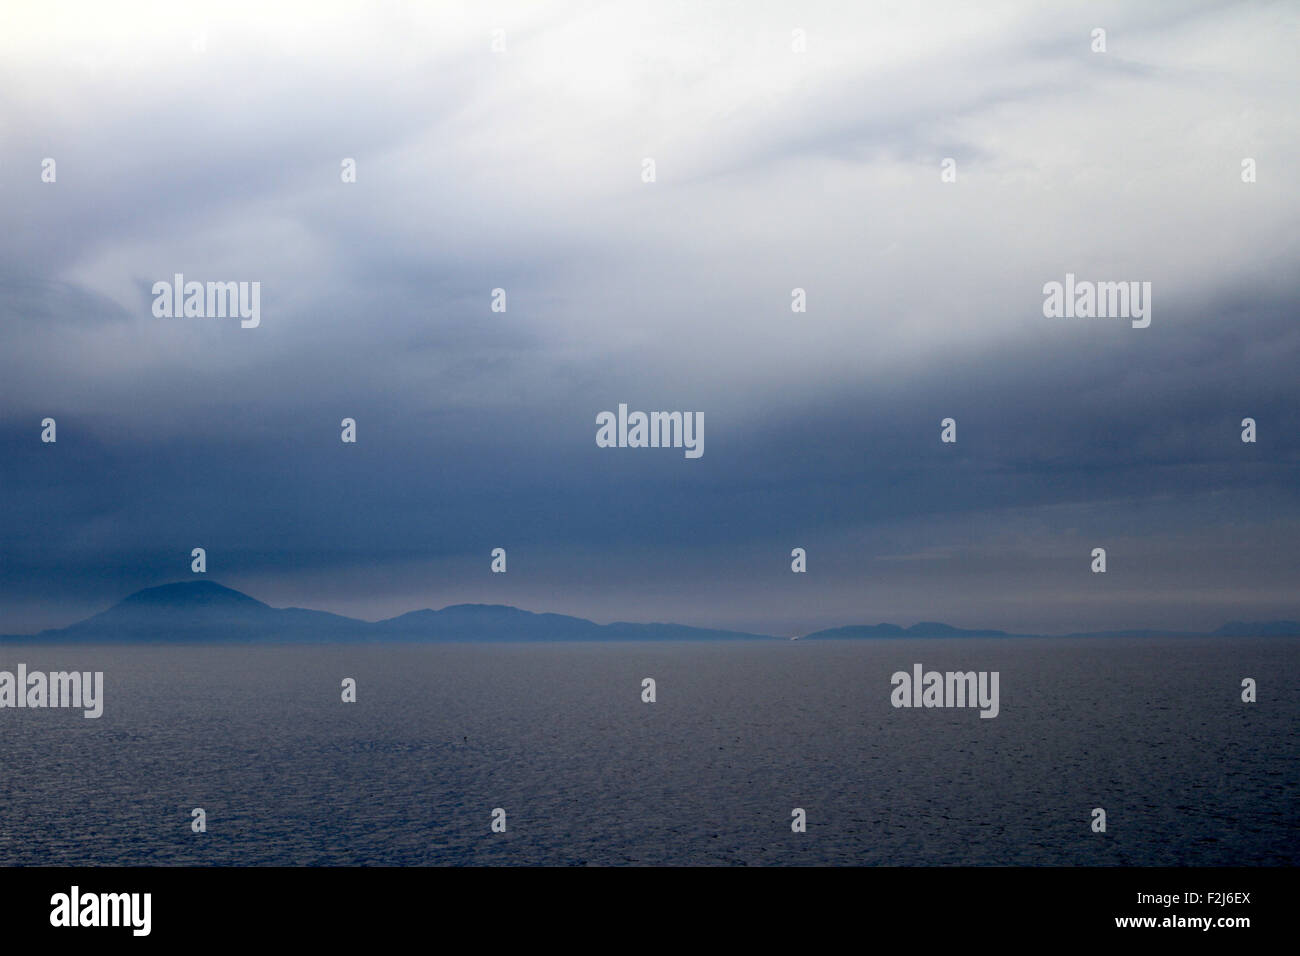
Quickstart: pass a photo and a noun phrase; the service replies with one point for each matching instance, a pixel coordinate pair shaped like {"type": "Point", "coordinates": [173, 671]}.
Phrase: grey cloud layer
{"type": "Point", "coordinates": [775, 171]}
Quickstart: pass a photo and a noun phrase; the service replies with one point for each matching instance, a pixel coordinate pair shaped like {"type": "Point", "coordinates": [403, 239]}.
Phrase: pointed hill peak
{"type": "Point", "coordinates": [190, 594]}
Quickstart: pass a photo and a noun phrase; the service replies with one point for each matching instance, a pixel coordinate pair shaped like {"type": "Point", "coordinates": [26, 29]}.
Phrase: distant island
{"type": "Point", "coordinates": [206, 612]}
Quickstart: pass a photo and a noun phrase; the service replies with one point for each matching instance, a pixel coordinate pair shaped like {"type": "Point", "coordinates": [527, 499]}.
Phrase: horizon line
{"type": "Point", "coordinates": [998, 632]}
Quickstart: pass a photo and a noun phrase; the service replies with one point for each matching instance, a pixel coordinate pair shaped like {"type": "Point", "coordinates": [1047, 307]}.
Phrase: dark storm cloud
{"type": "Point", "coordinates": [476, 429]}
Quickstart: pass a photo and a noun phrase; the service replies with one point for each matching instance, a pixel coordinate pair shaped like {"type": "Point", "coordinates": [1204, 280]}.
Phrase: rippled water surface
{"type": "Point", "coordinates": [1154, 731]}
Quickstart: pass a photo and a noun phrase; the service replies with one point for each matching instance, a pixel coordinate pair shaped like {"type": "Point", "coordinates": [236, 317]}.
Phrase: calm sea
{"type": "Point", "coordinates": [1153, 731]}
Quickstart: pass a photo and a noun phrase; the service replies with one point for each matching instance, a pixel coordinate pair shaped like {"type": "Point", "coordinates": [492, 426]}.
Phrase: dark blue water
{"type": "Point", "coordinates": [1153, 731]}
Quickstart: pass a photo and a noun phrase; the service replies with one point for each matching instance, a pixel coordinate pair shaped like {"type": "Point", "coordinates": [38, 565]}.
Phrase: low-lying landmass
{"type": "Point", "coordinates": [207, 612]}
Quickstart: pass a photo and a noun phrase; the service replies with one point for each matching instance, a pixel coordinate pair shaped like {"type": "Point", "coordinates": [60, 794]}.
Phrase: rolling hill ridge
{"type": "Point", "coordinates": [207, 612]}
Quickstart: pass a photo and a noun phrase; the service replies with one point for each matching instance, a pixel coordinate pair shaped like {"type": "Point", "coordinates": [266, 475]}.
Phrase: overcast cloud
{"type": "Point", "coordinates": [209, 143]}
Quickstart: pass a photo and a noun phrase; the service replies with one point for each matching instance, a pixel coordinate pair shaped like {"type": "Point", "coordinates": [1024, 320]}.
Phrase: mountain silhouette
{"type": "Point", "coordinates": [200, 611]}
{"type": "Point", "coordinates": [207, 612]}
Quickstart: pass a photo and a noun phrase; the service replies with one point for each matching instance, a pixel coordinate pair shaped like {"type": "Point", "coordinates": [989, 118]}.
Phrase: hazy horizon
{"type": "Point", "coordinates": [161, 632]}
{"type": "Point", "coordinates": [211, 145]}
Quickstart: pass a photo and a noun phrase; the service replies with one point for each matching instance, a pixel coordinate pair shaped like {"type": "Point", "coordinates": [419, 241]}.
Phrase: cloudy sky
{"type": "Point", "coordinates": [208, 140]}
